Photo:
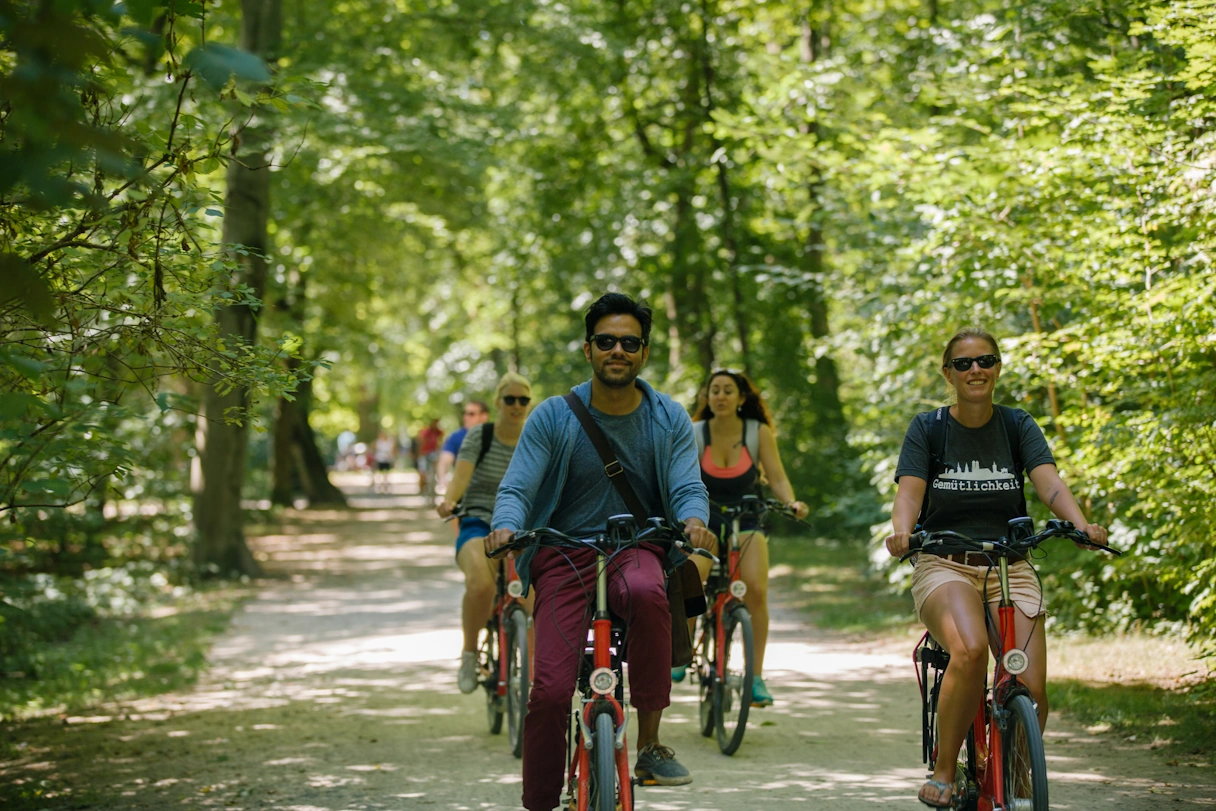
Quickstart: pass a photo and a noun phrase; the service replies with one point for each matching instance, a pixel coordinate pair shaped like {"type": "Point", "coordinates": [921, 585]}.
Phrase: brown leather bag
{"type": "Point", "coordinates": [685, 592]}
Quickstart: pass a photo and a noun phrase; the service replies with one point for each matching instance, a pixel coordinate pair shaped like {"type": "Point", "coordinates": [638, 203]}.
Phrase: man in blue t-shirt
{"type": "Point", "coordinates": [556, 479]}
{"type": "Point", "coordinates": [475, 413]}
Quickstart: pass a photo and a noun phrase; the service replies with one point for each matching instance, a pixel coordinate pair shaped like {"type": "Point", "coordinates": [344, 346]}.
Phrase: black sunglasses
{"type": "Point", "coordinates": [985, 362]}
{"type": "Point", "coordinates": [604, 343]}
{"type": "Point", "coordinates": [510, 399]}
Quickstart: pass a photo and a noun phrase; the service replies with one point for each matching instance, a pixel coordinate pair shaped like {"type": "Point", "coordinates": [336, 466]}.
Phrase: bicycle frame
{"type": "Point", "coordinates": [510, 593]}
{"type": "Point", "coordinates": [733, 593]}
{"type": "Point", "coordinates": [604, 681]}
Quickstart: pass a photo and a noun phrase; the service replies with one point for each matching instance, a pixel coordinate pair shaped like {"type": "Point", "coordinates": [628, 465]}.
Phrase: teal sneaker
{"type": "Point", "coordinates": [761, 697]}
{"type": "Point", "coordinates": [678, 673]}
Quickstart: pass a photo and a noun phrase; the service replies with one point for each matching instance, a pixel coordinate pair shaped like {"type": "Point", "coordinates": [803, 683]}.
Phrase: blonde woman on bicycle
{"type": "Point", "coordinates": [481, 462]}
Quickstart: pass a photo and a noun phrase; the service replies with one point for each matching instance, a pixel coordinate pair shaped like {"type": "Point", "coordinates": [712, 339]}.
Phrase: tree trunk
{"type": "Point", "coordinates": [222, 436]}
{"type": "Point", "coordinates": [816, 43]}
{"type": "Point", "coordinates": [299, 465]}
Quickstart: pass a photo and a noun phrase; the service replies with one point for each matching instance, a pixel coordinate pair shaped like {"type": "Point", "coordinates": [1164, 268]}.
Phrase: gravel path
{"type": "Point", "coordinates": [335, 689]}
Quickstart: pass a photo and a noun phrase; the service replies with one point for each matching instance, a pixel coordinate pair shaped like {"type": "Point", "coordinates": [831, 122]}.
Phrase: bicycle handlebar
{"type": "Point", "coordinates": [1020, 540]}
{"type": "Point", "coordinates": [754, 505]}
{"type": "Point", "coordinates": [622, 532]}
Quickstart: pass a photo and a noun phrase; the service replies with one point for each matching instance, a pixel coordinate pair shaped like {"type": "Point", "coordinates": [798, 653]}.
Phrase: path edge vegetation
{"type": "Point", "coordinates": [818, 193]}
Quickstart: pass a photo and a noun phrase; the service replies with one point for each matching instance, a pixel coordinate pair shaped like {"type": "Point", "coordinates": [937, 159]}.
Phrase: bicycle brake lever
{"type": "Point", "coordinates": [705, 553]}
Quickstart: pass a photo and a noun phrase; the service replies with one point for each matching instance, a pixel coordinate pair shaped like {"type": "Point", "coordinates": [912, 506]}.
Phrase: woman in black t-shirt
{"type": "Point", "coordinates": [977, 494]}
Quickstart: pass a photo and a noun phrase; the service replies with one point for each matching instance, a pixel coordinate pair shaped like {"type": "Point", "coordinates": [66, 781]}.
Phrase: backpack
{"type": "Point", "coordinates": [938, 428]}
{"type": "Point", "coordinates": [751, 440]}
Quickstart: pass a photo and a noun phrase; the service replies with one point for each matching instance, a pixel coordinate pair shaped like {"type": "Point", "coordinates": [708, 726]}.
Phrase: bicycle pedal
{"type": "Point", "coordinates": [638, 781]}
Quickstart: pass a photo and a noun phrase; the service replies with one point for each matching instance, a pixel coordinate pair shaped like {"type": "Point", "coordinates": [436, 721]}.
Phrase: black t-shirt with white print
{"type": "Point", "coordinates": [977, 494]}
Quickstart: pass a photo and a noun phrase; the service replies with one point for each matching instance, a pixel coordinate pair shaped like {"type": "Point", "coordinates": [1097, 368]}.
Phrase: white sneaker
{"type": "Point", "coordinates": [467, 677]}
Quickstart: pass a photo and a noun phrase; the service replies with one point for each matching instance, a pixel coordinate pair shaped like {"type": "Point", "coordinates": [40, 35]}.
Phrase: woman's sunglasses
{"type": "Point", "coordinates": [511, 399]}
{"type": "Point", "coordinates": [985, 362]}
{"type": "Point", "coordinates": [629, 343]}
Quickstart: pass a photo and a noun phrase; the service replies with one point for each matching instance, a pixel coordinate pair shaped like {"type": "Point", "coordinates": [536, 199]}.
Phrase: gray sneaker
{"type": "Point", "coordinates": [657, 766]}
{"type": "Point", "coordinates": [466, 679]}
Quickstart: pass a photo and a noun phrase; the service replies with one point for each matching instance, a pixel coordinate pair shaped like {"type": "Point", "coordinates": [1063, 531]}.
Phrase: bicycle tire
{"type": "Point", "coordinates": [518, 679]}
{"type": "Point", "coordinates": [487, 662]}
{"type": "Point", "coordinates": [733, 694]}
{"type": "Point", "coordinates": [603, 749]}
{"type": "Point", "coordinates": [1025, 763]}
{"type": "Point", "coordinates": [706, 675]}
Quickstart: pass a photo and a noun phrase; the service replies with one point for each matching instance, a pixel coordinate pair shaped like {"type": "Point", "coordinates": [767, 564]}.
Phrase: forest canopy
{"type": "Point", "coordinates": [820, 193]}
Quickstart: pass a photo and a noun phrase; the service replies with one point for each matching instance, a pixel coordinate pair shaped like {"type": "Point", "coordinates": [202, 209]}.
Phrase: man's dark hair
{"type": "Point", "coordinates": [619, 304]}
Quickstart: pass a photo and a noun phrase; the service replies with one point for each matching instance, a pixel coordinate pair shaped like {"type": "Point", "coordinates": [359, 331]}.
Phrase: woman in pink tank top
{"type": "Point", "coordinates": [725, 405]}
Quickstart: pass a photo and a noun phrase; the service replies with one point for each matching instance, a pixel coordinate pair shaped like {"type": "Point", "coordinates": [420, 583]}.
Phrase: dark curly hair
{"type": "Point", "coordinates": [619, 304]}
{"type": "Point", "coordinates": [753, 406]}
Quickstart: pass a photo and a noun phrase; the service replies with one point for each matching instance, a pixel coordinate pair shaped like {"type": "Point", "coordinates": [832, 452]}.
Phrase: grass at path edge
{"type": "Point", "coordinates": [832, 584]}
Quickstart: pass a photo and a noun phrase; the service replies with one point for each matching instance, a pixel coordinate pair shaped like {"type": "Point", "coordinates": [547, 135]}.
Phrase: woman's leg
{"type": "Point", "coordinates": [753, 570]}
{"type": "Point", "coordinates": [954, 614]}
{"type": "Point", "coordinates": [479, 573]}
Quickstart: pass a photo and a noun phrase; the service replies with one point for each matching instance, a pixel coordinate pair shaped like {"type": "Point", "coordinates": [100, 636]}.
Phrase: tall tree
{"type": "Point", "coordinates": [223, 424]}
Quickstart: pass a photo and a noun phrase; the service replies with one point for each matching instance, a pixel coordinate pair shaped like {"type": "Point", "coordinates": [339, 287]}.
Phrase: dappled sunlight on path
{"type": "Point", "coordinates": [334, 689]}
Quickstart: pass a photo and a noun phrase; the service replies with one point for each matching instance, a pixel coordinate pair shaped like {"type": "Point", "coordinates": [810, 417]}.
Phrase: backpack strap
{"type": "Point", "coordinates": [701, 434]}
{"type": "Point", "coordinates": [938, 423]}
{"type": "Point", "coordinates": [1013, 433]}
{"type": "Point", "coordinates": [487, 439]}
{"type": "Point", "coordinates": [751, 440]}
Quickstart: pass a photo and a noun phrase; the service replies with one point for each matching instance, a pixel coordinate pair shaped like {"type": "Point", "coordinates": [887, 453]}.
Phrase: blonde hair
{"type": "Point", "coordinates": [511, 379]}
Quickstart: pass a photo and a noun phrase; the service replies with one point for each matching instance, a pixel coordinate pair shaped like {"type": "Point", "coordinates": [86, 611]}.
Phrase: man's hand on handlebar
{"type": "Point", "coordinates": [699, 535]}
{"type": "Point", "coordinates": [497, 538]}
{"type": "Point", "coordinates": [445, 508]}
{"type": "Point", "coordinates": [898, 543]}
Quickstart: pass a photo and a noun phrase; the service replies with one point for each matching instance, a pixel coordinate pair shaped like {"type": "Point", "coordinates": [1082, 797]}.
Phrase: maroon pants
{"type": "Point", "coordinates": [561, 616]}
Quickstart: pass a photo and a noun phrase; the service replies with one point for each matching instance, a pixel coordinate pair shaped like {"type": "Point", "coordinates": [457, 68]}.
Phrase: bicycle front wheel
{"type": "Point", "coordinates": [1025, 764]}
{"type": "Point", "coordinates": [733, 695]}
{"type": "Point", "coordinates": [487, 663]}
{"type": "Point", "coordinates": [603, 750]}
{"type": "Point", "coordinates": [518, 679]}
{"type": "Point", "coordinates": [706, 675]}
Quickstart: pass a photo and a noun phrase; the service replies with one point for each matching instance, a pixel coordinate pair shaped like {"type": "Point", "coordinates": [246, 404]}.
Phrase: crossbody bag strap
{"type": "Point", "coordinates": [612, 467]}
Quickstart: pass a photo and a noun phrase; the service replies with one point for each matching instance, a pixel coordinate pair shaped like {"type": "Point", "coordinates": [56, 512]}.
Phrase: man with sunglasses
{"type": "Point", "coordinates": [475, 412]}
{"type": "Point", "coordinates": [557, 479]}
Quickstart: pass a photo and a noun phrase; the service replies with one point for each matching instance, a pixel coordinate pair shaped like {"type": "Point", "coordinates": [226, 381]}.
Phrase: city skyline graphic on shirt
{"type": "Point", "coordinates": [973, 472]}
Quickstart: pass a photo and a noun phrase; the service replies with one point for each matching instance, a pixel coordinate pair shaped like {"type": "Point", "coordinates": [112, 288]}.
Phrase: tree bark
{"type": "Point", "coordinates": [222, 434]}
{"type": "Point", "coordinates": [816, 43]}
{"type": "Point", "coordinates": [299, 465]}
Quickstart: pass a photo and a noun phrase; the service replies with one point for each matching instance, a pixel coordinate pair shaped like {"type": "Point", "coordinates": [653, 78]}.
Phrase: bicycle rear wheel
{"type": "Point", "coordinates": [733, 695]}
{"type": "Point", "coordinates": [603, 751]}
{"type": "Point", "coordinates": [487, 663]}
{"type": "Point", "coordinates": [518, 679]}
{"type": "Point", "coordinates": [706, 675]}
{"type": "Point", "coordinates": [1025, 764]}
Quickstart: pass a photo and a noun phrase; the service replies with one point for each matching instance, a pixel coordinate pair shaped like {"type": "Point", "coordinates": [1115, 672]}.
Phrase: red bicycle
{"type": "Point", "coordinates": [598, 775]}
{"type": "Point", "coordinates": [504, 660]}
{"type": "Point", "coordinates": [1001, 765]}
{"type": "Point", "coordinates": [724, 654]}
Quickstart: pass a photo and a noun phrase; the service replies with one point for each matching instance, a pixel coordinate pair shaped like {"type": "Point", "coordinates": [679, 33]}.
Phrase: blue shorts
{"type": "Point", "coordinates": [471, 528]}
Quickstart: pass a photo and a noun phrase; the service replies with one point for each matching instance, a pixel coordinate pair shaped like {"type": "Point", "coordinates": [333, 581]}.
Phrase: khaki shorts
{"type": "Point", "coordinates": [932, 571]}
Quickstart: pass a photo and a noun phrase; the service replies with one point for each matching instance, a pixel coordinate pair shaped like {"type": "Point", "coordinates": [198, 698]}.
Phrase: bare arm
{"type": "Point", "coordinates": [460, 483]}
{"type": "Point", "coordinates": [778, 481]}
{"type": "Point", "coordinates": [908, 498]}
{"type": "Point", "coordinates": [1053, 492]}
{"type": "Point", "coordinates": [446, 460]}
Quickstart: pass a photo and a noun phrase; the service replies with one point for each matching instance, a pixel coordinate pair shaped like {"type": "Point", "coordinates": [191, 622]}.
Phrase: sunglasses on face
{"type": "Point", "coordinates": [511, 399]}
{"type": "Point", "coordinates": [985, 362]}
{"type": "Point", "coordinates": [605, 343]}
{"type": "Point", "coordinates": [472, 413]}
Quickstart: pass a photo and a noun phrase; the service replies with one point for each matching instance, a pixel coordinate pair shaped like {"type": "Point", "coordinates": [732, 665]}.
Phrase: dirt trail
{"type": "Point", "coordinates": [335, 689]}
